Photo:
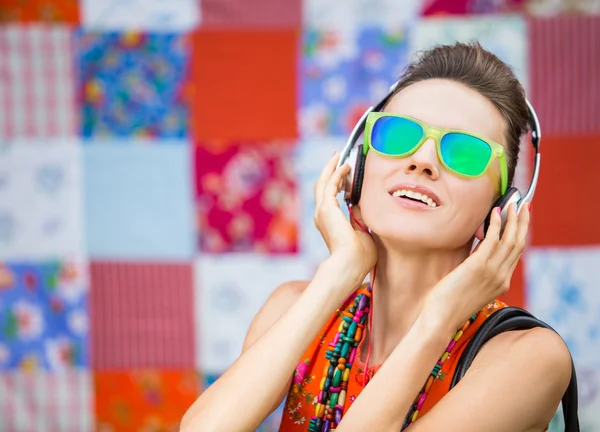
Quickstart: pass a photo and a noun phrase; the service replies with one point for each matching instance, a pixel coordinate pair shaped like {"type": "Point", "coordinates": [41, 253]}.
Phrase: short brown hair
{"type": "Point", "coordinates": [471, 65]}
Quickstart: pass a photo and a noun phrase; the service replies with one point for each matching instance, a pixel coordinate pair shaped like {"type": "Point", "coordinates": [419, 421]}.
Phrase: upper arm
{"type": "Point", "coordinates": [515, 383]}
{"type": "Point", "coordinates": [276, 305]}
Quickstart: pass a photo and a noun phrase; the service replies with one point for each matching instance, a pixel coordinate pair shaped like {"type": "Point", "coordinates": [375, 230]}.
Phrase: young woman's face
{"type": "Point", "coordinates": [463, 203]}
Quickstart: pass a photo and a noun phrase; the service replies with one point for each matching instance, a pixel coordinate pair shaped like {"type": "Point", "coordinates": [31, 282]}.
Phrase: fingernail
{"type": "Point", "coordinates": [499, 210]}
{"type": "Point", "coordinates": [528, 206]}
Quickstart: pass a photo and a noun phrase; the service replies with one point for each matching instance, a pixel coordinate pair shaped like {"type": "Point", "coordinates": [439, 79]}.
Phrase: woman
{"type": "Point", "coordinates": [430, 293]}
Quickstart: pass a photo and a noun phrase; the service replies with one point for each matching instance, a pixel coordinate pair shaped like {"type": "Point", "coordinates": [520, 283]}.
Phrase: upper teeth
{"type": "Point", "coordinates": [415, 195]}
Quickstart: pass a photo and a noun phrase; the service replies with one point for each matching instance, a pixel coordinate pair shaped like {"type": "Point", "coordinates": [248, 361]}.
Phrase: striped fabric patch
{"type": "Point", "coordinates": [43, 402]}
{"type": "Point", "coordinates": [141, 315]}
{"type": "Point", "coordinates": [37, 95]}
{"type": "Point", "coordinates": [259, 13]}
{"type": "Point", "coordinates": [564, 63]}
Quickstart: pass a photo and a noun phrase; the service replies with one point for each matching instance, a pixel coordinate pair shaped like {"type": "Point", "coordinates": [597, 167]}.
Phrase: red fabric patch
{"type": "Point", "coordinates": [40, 10]}
{"type": "Point", "coordinates": [516, 294]}
{"type": "Point", "coordinates": [143, 400]}
{"type": "Point", "coordinates": [564, 209]}
{"type": "Point", "coordinates": [244, 85]}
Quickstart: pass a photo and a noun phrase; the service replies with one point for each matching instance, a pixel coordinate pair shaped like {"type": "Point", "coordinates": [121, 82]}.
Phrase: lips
{"type": "Point", "coordinates": [417, 194]}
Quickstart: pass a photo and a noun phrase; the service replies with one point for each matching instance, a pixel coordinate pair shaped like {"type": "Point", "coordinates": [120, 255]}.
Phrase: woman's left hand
{"type": "Point", "coordinates": [484, 275]}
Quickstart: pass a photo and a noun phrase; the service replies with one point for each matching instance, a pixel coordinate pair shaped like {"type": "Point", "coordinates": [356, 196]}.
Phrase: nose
{"type": "Point", "coordinates": [424, 160]}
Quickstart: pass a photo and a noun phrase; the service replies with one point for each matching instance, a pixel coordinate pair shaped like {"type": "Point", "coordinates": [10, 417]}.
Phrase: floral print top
{"type": "Point", "coordinates": [303, 393]}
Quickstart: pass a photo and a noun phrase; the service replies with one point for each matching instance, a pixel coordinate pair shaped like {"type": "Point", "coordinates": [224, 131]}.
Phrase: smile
{"type": "Point", "coordinates": [415, 195]}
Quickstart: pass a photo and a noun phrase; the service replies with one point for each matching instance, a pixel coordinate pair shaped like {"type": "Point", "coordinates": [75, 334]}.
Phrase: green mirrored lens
{"type": "Point", "coordinates": [395, 136]}
{"type": "Point", "coordinates": [465, 154]}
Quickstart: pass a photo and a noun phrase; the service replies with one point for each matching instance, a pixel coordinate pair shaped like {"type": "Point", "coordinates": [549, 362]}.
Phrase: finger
{"type": "Point", "coordinates": [521, 236]}
{"type": "Point", "coordinates": [513, 266]}
{"type": "Point", "coordinates": [326, 172]}
{"type": "Point", "coordinates": [489, 244]}
{"type": "Point", "coordinates": [323, 213]}
{"type": "Point", "coordinates": [333, 185]}
{"type": "Point", "coordinates": [509, 236]}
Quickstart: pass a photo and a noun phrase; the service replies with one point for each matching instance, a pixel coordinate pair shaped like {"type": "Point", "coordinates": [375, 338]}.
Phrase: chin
{"type": "Point", "coordinates": [404, 230]}
{"type": "Point", "coordinates": [409, 239]}
{"type": "Point", "coordinates": [418, 233]}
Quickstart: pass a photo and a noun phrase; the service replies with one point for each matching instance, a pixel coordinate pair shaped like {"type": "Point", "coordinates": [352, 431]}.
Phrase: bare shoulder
{"type": "Point", "coordinates": [541, 342]}
{"type": "Point", "coordinates": [538, 351]}
{"type": "Point", "coordinates": [549, 348]}
{"type": "Point", "coordinates": [528, 372]}
{"type": "Point", "coordinates": [280, 300]}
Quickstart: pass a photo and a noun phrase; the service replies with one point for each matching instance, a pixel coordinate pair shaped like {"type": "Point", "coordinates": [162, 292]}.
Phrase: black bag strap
{"type": "Point", "coordinates": [508, 319]}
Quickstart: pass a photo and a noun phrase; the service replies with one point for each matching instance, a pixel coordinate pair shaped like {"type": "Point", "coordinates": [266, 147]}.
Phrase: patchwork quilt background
{"type": "Point", "coordinates": [157, 161]}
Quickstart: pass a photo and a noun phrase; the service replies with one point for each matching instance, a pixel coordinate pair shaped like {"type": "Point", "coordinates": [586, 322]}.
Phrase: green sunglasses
{"type": "Point", "coordinates": [463, 153]}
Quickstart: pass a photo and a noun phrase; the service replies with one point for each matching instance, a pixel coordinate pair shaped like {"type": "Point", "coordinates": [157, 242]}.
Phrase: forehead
{"type": "Point", "coordinates": [450, 105]}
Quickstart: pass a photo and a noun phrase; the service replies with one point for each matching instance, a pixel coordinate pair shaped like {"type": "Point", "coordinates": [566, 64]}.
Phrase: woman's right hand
{"type": "Point", "coordinates": [346, 240]}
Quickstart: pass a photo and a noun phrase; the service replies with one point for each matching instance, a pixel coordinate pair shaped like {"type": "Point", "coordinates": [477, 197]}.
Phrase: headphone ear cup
{"type": "Point", "coordinates": [359, 172]}
{"type": "Point", "coordinates": [510, 196]}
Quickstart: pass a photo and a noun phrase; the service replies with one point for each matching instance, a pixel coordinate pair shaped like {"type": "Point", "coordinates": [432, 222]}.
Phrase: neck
{"type": "Point", "coordinates": [403, 280]}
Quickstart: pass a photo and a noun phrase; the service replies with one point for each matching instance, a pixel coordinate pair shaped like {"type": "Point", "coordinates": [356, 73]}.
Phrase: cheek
{"type": "Point", "coordinates": [473, 199]}
{"type": "Point", "coordinates": [372, 188]}
{"type": "Point", "coordinates": [377, 168]}
{"type": "Point", "coordinates": [368, 194]}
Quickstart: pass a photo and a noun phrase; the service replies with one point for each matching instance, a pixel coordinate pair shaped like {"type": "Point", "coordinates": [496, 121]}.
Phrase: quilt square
{"type": "Point", "coordinates": [229, 291]}
{"type": "Point", "coordinates": [55, 11]}
{"type": "Point", "coordinates": [562, 290]}
{"type": "Point", "coordinates": [136, 15]}
{"type": "Point", "coordinates": [40, 200]}
{"type": "Point", "coordinates": [246, 198]}
{"type": "Point", "coordinates": [346, 69]}
{"type": "Point", "coordinates": [143, 400]}
{"type": "Point", "coordinates": [44, 317]}
{"type": "Point", "coordinates": [247, 90]}
{"type": "Point", "coordinates": [37, 92]}
{"type": "Point", "coordinates": [139, 201]}
{"type": "Point", "coordinates": [133, 84]}
{"type": "Point", "coordinates": [565, 91]}
{"type": "Point", "coordinates": [142, 315]}
{"type": "Point", "coordinates": [46, 401]}
{"type": "Point", "coordinates": [444, 8]}
{"type": "Point", "coordinates": [575, 177]}
{"type": "Point", "coordinates": [259, 13]}
{"type": "Point", "coordinates": [360, 13]}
